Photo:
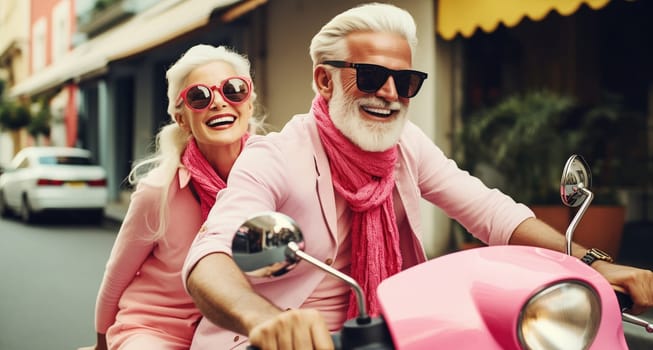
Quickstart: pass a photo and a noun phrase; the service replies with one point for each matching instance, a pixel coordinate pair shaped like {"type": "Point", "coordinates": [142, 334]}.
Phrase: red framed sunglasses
{"type": "Point", "coordinates": [198, 97]}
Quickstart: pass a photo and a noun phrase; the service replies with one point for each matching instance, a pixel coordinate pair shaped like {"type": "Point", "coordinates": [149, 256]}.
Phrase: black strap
{"type": "Point", "coordinates": [588, 259]}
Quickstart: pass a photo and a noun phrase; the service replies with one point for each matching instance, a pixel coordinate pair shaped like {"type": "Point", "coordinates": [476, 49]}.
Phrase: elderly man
{"type": "Point", "coordinates": [351, 173]}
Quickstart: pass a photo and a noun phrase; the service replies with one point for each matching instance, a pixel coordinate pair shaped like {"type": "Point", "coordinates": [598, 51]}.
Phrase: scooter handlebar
{"type": "Point", "coordinates": [625, 301]}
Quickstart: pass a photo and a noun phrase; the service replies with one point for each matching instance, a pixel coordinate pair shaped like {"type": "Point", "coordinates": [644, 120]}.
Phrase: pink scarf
{"type": "Point", "coordinates": [205, 180]}
{"type": "Point", "coordinates": [366, 181]}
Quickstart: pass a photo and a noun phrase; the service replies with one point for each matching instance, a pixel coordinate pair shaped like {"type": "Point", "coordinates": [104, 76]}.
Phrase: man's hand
{"type": "Point", "coordinates": [292, 329]}
{"type": "Point", "coordinates": [636, 282]}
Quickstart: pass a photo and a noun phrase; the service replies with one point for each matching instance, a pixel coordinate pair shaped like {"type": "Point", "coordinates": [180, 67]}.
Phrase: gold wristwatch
{"type": "Point", "coordinates": [594, 254]}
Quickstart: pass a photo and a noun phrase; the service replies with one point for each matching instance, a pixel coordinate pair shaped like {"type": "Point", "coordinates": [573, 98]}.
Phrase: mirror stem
{"type": "Point", "coordinates": [637, 321]}
{"type": "Point", "coordinates": [363, 317]}
{"type": "Point", "coordinates": [581, 211]}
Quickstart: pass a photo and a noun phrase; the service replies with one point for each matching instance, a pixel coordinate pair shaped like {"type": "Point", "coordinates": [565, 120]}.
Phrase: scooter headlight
{"type": "Point", "coordinates": [562, 316]}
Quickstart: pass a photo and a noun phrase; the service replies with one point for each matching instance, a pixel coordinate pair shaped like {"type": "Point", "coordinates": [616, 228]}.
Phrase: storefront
{"type": "Point", "coordinates": [596, 54]}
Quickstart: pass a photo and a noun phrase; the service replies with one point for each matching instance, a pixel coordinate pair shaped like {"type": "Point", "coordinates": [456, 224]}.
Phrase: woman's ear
{"type": "Point", "coordinates": [323, 82]}
{"type": "Point", "coordinates": [179, 118]}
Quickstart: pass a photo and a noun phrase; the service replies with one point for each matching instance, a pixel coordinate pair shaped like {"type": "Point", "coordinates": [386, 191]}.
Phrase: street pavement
{"type": "Point", "coordinates": [49, 278]}
{"type": "Point", "coordinates": [115, 211]}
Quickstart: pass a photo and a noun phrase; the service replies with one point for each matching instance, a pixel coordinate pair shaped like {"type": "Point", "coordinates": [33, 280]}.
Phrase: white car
{"type": "Point", "coordinates": [40, 179]}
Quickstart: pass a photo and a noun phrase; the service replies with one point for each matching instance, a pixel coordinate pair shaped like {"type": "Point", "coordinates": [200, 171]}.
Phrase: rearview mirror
{"type": "Point", "coordinates": [575, 176]}
{"type": "Point", "coordinates": [260, 246]}
{"type": "Point", "coordinates": [575, 191]}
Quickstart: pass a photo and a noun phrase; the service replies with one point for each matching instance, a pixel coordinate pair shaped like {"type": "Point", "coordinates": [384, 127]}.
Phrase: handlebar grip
{"type": "Point", "coordinates": [337, 343]}
{"type": "Point", "coordinates": [625, 301]}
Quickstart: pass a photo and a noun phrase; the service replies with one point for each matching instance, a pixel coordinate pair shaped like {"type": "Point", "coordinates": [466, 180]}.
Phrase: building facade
{"type": "Point", "coordinates": [14, 61]}
{"type": "Point", "coordinates": [119, 55]}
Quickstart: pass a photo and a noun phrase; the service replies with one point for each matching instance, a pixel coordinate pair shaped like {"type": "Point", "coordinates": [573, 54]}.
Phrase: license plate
{"type": "Point", "coordinates": [76, 184]}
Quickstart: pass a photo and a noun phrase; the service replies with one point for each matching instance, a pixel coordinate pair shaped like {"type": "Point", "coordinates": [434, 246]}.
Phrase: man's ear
{"type": "Point", "coordinates": [323, 82]}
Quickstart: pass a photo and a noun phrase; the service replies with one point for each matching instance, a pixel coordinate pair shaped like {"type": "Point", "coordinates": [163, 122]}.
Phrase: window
{"type": "Point", "coordinates": [38, 44]}
{"type": "Point", "coordinates": [23, 164]}
{"type": "Point", "coordinates": [60, 29]}
{"type": "Point", "coordinates": [64, 160]}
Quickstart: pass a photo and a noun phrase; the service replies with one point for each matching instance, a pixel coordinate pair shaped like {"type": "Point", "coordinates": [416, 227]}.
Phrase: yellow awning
{"type": "Point", "coordinates": [464, 16]}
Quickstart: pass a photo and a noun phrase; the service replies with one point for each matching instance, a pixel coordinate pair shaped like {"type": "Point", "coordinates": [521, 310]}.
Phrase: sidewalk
{"type": "Point", "coordinates": [115, 211]}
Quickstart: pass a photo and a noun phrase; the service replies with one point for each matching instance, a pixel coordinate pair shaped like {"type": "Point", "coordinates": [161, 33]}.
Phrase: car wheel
{"type": "Point", "coordinates": [4, 210]}
{"type": "Point", "coordinates": [26, 213]}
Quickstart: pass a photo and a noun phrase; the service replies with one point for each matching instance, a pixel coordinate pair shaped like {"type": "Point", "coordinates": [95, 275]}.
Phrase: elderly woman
{"type": "Point", "coordinates": [142, 303]}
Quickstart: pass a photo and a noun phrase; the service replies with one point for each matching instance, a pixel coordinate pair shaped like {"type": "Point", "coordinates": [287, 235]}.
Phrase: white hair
{"type": "Point", "coordinates": [171, 140]}
{"type": "Point", "coordinates": [198, 56]}
{"type": "Point", "coordinates": [329, 43]}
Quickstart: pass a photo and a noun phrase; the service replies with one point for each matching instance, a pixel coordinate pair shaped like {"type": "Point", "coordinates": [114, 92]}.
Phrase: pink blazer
{"type": "Point", "coordinates": [289, 172]}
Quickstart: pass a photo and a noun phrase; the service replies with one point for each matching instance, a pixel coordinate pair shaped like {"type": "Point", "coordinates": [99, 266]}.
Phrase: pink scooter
{"type": "Point", "coordinates": [498, 297]}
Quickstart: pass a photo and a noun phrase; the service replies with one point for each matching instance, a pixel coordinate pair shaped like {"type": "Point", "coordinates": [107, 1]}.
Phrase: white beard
{"type": "Point", "coordinates": [369, 135]}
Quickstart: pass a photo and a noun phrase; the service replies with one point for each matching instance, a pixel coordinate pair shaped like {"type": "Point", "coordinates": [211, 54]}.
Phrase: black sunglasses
{"type": "Point", "coordinates": [371, 77]}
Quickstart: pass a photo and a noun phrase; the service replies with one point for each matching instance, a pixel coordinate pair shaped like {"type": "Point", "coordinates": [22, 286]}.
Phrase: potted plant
{"type": "Point", "coordinates": [40, 124]}
{"type": "Point", "coordinates": [614, 142]}
{"type": "Point", "coordinates": [521, 144]}
{"type": "Point", "coordinates": [524, 139]}
{"type": "Point", "coordinates": [13, 118]}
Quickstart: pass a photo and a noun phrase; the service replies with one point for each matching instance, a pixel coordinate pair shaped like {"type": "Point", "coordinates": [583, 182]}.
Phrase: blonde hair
{"type": "Point", "coordinates": [171, 140]}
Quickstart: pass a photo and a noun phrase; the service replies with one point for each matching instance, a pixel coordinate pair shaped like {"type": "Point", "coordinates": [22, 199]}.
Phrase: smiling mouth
{"type": "Point", "coordinates": [379, 112]}
{"type": "Point", "coordinates": [227, 120]}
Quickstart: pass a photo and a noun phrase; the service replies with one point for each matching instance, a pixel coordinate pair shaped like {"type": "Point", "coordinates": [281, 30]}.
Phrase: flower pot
{"type": "Point", "coordinates": [602, 227]}
{"type": "Point", "coordinates": [557, 216]}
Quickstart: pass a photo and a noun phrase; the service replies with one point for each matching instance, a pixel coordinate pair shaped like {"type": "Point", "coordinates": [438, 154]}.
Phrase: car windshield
{"type": "Point", "coordinates": [64, 160]}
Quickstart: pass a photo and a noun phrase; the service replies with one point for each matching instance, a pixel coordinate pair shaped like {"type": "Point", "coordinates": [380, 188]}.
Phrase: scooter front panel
{"type": "Point", "coordinates": [472, 299]}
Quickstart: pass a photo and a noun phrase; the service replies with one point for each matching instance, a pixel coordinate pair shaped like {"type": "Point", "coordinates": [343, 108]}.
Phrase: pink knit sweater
{"type": "Point", "coordinates": [142, 286]}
